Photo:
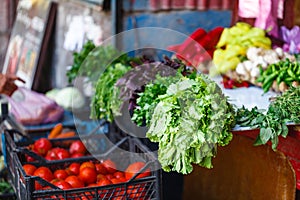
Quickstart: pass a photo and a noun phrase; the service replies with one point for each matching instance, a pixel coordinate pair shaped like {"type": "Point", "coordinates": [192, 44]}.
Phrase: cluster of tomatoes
{"type": "Point", "coordinates": [87, 174]}
{"type": "Point", "coordinates": [43, 147]}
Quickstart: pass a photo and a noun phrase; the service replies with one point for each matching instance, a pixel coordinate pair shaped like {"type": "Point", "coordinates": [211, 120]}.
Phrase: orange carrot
{"type": "Point", "coordinates": [66, 134]}
{"type": "Point", "coordinates": [55, 131]}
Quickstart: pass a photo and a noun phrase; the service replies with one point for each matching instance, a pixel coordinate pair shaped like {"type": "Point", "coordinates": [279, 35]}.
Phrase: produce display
{"type": "Point", "coordinates": [107, 175]}
{"type": "Point", "coordinates": [259, 59]}
{"type": "Point", "coordinates": [102, 102]}
{"type": "Point", "coordinates": [198, 49]}
{"type": "Point", "coordinates": [233, 45]}
{"type": "Point", "coordinates": [185, 112]}
{"type": "Point", "coordinates": [280, 76]}
{"type": "Point", "coordinates": [188, 122]}
{"type": "Point", "coordinates": [175, 106]}
{"type": "Point", "coordinates": [86, 174]}
{"type": "Point", "coordinates": [44, 148]}
{"type": "Point", "coordinates": [273, 122]}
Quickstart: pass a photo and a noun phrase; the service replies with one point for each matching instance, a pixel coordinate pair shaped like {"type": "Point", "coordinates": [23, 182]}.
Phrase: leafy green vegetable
{"type": "Point", "coordinates": [78, 58]}
{"type": "Point", "coordinates": [5, 187]}
{"type": "Point", "coordinates": [104, 97]}
{"type": "Point", "coordinates": [98, 58]}
{"type": "Point", "coordinates": [188, 122]}
{"type": "Point", "coordinates": [273, 123]}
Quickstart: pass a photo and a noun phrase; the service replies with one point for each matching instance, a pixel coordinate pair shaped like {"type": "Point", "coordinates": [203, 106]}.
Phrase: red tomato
{"type": "Point", "coordinates": [87, 164]}
{"type": "Point", "coordinates": [62, 184]}
{"type": "Point", "coordinates": [93, 185]}
{"type": "Point", "coordinates": [60, 174]}
{"type": "Point", "coordinates": [134, 168]}
{"type": "Point", "coordinates": [100, 177]}
{"type": "Point", "coordinates": [43, 172]}
{"type": "Point", "coordinates": [104, 182]}
{"type": "Point", "coordinates": [119, 174]}
{"type": "Point", "coordinates": [57, 153]}
{"type": "Point", "coordinates": [77, 155]}
{"type": "Point", "coordinates": [77, 147]}
{"type": "Point", "coordinates": [110, 166]}
{"type": "Point", "coordinates": [88, 175]}
{"type": "Point", "coordinates": [53, 181]}
{"type": "Point", "coordinates": [29, 169]}
{"type": "Point", "coordinates": [42, 145]}
{"type": "Point", "coordinates": [74, 168]}
{"type": "Point", "coordinates": [122, 179]}
{"type": "Point", "coordinates": [101, 169]}
{"type": "Point", "coordinates": [115, 180]}
{"type": "Point", "coordinates": [109, 176]}
{"type": "Point", "coordinates": [74, 181]}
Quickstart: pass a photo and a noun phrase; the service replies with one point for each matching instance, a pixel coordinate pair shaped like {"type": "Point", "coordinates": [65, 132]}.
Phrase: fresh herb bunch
{"type": "Point", "coordinates": [188, 122]}
{"type": "Point", "coordinates": [272, 123]}
{"type": "Point", "coordinates": [98, 58]}
{"type": "Point", "coordinates": [104, 97]}
{"type": "Point", "coordinates": [148, 99]}
{"type": "Point", "coordinates": [78, 58]}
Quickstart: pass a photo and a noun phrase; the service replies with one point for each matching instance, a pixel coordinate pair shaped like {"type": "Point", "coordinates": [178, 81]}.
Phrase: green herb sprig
{"type": "Point", "coordinates": [273, 123]}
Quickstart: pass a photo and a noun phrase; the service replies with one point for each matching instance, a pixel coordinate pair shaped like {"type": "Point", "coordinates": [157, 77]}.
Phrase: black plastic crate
{"type": "Point", "coordinates": [125, 151]}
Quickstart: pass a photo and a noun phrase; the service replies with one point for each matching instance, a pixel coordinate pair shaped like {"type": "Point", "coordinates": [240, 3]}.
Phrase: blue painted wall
{"type": "Point", "coordinates": [182, 21]}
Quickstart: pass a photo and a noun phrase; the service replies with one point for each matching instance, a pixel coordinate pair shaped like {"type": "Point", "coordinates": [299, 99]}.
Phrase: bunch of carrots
{"type": "Point", "coordinates": [58, 131]}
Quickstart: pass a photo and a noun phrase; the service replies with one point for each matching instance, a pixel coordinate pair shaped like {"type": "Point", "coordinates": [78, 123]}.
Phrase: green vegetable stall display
{"type": "Point", "coordinates": [188, 115]}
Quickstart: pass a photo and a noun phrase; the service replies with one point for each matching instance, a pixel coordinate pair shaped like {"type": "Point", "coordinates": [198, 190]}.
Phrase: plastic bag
{"type": "Point", "coordinates": [33, 108]}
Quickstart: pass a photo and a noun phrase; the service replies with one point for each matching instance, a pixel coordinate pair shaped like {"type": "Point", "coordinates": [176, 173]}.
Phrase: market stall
{"type": "Point", "coordinates": [219, 112]}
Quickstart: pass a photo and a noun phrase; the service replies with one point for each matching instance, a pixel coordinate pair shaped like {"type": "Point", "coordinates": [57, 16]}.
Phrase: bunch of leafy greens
{"type": "Point", "coordinates": [272, 123]}
{"type": "Point", "coordinates": [188, 119]}
{"type": "Point", "coordinates": [98, 58]}
{"type": "Point", "coordinates": [148, 99]}
{"type": "Point", "coordinates": [128, 87]}
{"type": "Point", "coordinates": [104, 97]}
{"type": "Point", "coordinates": [78, 58]}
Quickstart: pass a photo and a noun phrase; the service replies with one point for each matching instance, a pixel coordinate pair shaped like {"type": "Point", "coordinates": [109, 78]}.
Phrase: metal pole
{"type": "Point", "coordinates": [117, 20]}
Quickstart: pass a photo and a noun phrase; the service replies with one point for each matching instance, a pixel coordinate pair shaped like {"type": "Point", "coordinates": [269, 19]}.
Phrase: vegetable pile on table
{"type": "Point", "coordinates": [185, 112]}
{"type": "Point", "coordinates": [233, 45]}
{"type": "Point", "coordinates": [246, 54]}
{"type": "Point", "coordinates": [273, 122]}
{"type": "Point", "coordinates": [188, 122]}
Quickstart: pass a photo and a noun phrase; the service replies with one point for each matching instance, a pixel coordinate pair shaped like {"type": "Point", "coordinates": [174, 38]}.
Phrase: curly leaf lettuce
{"type": "Point", "coordinates": [188, 122]}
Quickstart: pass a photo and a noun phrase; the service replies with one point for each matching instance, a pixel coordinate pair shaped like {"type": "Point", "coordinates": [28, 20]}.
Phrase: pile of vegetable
{"type": "Point", "coordinates": [257, 60]}
{"type": "Point", "coordinates": [273, 122]}
{"type": "Point", "coordinates": [280, 76]}
{"type": "Point", "coordinates": [91, 61]}
{"type": "Point", "coordinates": [102, 101]}
{"type": "Point", "coordinates": [189, 120]}
{"type": "Point", "coordinates": [233, 45]}
{"type": "Point", "coordinates": [186, 113]}
{"type": "Point", "coordinates": [198, 49]}
{"type": "Point", "coordinates": [91, 173]}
